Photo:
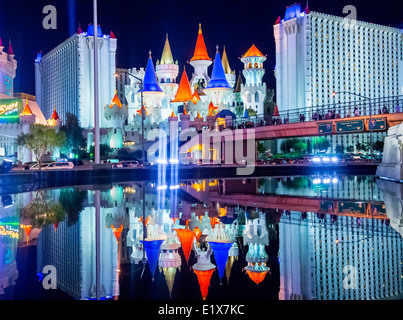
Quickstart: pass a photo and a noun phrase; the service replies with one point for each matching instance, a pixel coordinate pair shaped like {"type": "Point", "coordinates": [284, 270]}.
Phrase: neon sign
{"type": "Point", "coordinates": [10, 110]}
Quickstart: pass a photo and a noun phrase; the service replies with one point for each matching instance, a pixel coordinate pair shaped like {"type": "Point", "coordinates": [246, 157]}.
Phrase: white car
{"type": "Point", "coordinates": [59, 165]}
{"type": "Point", "coordinates": [130, 164]}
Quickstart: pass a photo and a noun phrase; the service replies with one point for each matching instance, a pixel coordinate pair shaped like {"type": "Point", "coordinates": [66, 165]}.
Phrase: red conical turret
{"type": "Point", "coordinates": [10, 49]}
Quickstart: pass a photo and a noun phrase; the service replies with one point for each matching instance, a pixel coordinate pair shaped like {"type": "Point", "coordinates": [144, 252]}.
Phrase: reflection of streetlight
{"type": "Point", "coordinates": [142, 114]}
{"type": "Point", "coordinates": [370, 115]}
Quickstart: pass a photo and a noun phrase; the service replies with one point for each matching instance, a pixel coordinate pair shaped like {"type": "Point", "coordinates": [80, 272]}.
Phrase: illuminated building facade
{"type": "Point", "coordinates": [201, 94]}
{"type": "Point", "coordinates": [318, 54]}
{"type": "Point", "coordinates": [64, 76]}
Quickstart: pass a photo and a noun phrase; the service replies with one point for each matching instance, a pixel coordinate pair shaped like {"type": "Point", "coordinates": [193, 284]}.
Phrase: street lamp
{"type": "Point", "coordinates": [96, 88]}
{"type": "Point", "coordinates": [142, 113]}
{"type": "Point", "coordinates": [370, 117]}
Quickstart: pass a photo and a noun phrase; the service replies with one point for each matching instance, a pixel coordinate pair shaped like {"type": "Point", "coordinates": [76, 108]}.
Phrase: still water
{"type": "Point", "coordinates": [312, 238]}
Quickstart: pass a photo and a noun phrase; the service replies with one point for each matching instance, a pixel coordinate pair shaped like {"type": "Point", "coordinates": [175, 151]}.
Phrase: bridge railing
{"type": "Point", "coordinates": [364, 107]}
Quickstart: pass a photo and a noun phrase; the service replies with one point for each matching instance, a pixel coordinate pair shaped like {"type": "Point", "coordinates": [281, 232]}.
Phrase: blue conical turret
{"type": "Point", "coordinates": [150, 78]}
{"type": "Point", "coordinates": [218, 79]}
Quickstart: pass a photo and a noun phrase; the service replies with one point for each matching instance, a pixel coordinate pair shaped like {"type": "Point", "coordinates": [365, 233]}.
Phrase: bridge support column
{"type": "Point", "coordinates": [392, 164]}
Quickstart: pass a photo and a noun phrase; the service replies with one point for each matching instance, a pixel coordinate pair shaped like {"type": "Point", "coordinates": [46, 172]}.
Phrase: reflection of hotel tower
{"type": "Point", "coordinates": [71, 249]}
{"type": "Point", "coordinates": [312, 262]}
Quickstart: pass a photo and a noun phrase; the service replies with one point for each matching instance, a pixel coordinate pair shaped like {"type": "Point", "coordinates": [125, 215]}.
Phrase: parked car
{"type": "Point", "coordinates": [59, 165]}
{"type": "Point", "coordinates": [76, 162]}
{"type": "Point", "coordinates": [130, 163]}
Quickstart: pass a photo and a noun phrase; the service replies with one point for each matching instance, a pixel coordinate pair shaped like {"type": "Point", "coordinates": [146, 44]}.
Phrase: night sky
{"type": "Point", "coordinates": [141, 26]}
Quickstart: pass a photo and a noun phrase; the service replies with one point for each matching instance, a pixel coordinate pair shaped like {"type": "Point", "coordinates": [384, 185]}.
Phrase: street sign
{"type": "Point", "coordinates": [350, 126]}
{"type": "Point", "coordinates": [378, 124]}
{"type": "Point", "coordinates": [325, 127]}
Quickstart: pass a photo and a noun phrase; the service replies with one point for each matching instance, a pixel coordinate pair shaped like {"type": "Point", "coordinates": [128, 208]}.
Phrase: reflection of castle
{"type": "Point", "coordinates": [319, 256]}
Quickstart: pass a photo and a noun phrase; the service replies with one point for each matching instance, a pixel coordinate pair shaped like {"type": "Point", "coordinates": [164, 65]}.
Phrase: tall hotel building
{"type": "Point", "coordinates": [318, 54]}
{"type": "Point", "coordinates": [64, 77]}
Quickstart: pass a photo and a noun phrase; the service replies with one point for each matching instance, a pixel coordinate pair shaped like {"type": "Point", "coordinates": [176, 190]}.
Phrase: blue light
{"type": "Point", "coordinates": [335, 180]}
{"type": "Point", "coordinates": [326, 159]}
{"type": "Point", "coordinates": [335, 159]}
{"type": "Point", "coordinates": [316, 159]}
{"type": "Point", "coordinates": [326, 180]}
{"type": "Point", "coordinates": [292, 12]}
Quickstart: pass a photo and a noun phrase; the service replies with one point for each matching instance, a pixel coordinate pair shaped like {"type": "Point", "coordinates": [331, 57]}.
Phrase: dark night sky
{"type": "Point", "coordinates": [141, 26]}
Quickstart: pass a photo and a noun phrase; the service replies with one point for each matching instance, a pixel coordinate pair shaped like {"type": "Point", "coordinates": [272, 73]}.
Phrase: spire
{"type": "Point", "coordinates": [200, 52]}
{"type": "Point", "coordinates": [238, 83]}
{"type": "Point", "coordinates": [112, 36]}
{"type": "Point", "coordinates": [150, 78]}
{"type": "Point", "coordinates": [1, 43]}
{"type": "Point", "coordinates": [55, 116]}
{"type": "Point", "coordinates": [116, 101]}
{"type": "Point", "coordinates": [79, 30]}
{"type": "Point", "coordinates": [27, 110]}
{"type": "Point", "coordinates": [253, 52]}
{"type": "Point", "coordinates": [184, 92]}
{"type": "Point", "coordinates": [184, 111]}
{"type": "Point", "coordinates": [307, 11]}
{"type": "Point", "coordinates": [218, 79]}
{"type": "Point", "coordinates": [145, 111]}
{"type": "Point", "coordinates": [173, 114]}
{"type": "Point", "coordinates": [195, 96]}
{"type": "Point", "coordinates": [211, 109]}
{"type": "Point", "coordinates": [225, 63]}
{"type": "Point", "coordinates": [166, 57]}
{"type": "Point", "coordinates": [10, 49]}
{"type": "Point", "coordinates": [278, 20]}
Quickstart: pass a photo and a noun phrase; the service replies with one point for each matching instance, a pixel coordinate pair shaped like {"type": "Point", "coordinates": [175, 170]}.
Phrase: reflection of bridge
{"type": "Point", "coordinates": [245, 193]}
{"type": "Point", "coordinates": [302, 204]}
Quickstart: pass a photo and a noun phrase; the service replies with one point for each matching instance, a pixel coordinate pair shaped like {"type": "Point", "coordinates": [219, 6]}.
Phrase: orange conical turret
{"type": "Point", "coordinates": [27, 110]}
{"type": "Point", "coordinates": [253, 52]}
{"type": "Point", "coordinates": [195, 96]}
{"type": "Point", "coordinates": [116, 101]}
{"type": "Point", "coordinates": [200, 52]}
{"type": "Point", "coordinates": [184, 92]}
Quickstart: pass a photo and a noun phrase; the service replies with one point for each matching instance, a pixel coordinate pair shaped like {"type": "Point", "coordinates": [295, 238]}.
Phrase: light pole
{"type": "Point", "coordinates": [142, 114]}
{"type": "Point", "coordinates": [370, 117]}
{"type": "Point", "coordinates": [96, 89]}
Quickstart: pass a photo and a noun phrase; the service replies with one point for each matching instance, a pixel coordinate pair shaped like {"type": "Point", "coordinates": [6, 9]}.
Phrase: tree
{"type": "Point", "coordinates": [75, 141]}
{"type": "Point", "coordinates": [104, 151]}
{"type": "Point", "coordinates": [350, 149]}
{"type": "Point", "coordinates": [339, 149]}
{"type": "Point", "coordinates": [40, 140]}
{"type": "Point", "coordinates": [321, 143]}
{"type": "Point", "coordinates": [364, 147]}
{"type": "Point", "coordinates": [293, 143]}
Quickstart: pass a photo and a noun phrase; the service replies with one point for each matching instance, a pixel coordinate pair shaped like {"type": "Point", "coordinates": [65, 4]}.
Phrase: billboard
{"type": "Point", "coordinates": [10, 110]}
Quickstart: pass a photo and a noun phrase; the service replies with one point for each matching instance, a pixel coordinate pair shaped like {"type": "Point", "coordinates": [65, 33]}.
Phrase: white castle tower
{"type": "Point", "coordinates": [167, 71]}
{"type": "Point", "coordinates": [254, 90]}
{"type": "Point", "coordinates": [8, 67]}
{"type": "Point", "coordinates": [200, 62]}
{"type": "Point", "coordinates": [116, 115]}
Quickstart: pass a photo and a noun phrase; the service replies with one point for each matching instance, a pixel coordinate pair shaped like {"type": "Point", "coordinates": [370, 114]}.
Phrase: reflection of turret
{"type": "Point", "coordinates": [203, 268]}
{"type": "Point", "coordinates": [221, 242]}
